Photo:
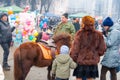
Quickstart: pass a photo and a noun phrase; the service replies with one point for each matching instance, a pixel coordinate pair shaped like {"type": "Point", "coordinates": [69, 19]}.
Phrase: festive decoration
{"type": "Point", "coordinates": [10, 12]}
{"type": "Point", "coordinates": [31, 37]}
{"type": "Point", "coordinates": [35, 34]}
{"type": "Point", "coordinates": [25, 28]}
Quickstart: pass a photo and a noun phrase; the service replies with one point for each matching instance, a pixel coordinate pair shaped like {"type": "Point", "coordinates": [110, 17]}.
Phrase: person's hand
{"type": "Point", "coordinates": [104, 33]}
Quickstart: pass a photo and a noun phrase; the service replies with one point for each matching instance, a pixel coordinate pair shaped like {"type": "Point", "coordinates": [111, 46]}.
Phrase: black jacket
{"type": "Point", "coordinates": [5, 32]}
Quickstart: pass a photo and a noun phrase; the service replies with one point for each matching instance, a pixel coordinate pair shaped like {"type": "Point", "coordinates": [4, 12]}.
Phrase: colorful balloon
{"type": "Point", "coordinates": [24, 33]}
{"type": "Point", "coordinates": [31, 37]}
{"type": "Point", "coordinates": [35, 34]}
{"type": "Point", "coordinates": [10, 12]}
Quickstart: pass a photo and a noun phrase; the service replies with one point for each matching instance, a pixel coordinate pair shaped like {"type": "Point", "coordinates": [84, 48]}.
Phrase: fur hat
{"type": "Point", "coordinates": [88, 21]}
{"type": "Point", "coordinates": [108, 22]}
{"type": "Point", "coordinates": [66, 15]}
{"type": "Point", "coordinates": [64, 49]}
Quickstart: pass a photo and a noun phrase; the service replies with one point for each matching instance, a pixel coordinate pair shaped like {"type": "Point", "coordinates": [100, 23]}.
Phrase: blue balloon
{"type": "Point", "coordinates": [13, 17]}
{"type": "Point", "coordinates": [19, 36]}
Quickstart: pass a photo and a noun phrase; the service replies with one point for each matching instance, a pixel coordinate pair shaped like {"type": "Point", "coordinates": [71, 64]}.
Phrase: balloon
{"type": "Point", "coordinates": [12, 17]}
{"type": "Point", "coordinates": [26, 8]}
{"type": "Point", "coordinates": [31, 37]}
{"type": "Point", "coordinates": [24, 33]}
{"type": "Point", "coordinates": [17, 22]}
{"type": "Point", "coordinates": [17, 43]}
{"type": "Point", "coordinates": [34, 39]}
{"type": "Point", "coordinates": [10, 12]}
{"type": "Point", "coordinates": [19, 36]}
{"type": "Point", "coordinates": [28, 23]}
{"type": "Point", "coordinates": [35, 34]}
{"type": "Point", "coordinates": [17, 17]}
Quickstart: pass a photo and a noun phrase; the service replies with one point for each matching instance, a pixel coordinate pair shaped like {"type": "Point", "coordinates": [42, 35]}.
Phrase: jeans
{"type": "Point", "coordinates": [112, 72]}
{"type": "Point", "coordinates": [61, 79]}
{"type": "Point", "coordinates": [5, 47]}
{"type": "Point", "coordinates": [83, 78]}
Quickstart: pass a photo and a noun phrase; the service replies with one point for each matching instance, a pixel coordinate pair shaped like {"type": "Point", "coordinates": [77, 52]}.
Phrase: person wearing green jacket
{"type": "Point", "coordinates": [65, 26]}
{"type": "Point", "coordinates": [62, 64]}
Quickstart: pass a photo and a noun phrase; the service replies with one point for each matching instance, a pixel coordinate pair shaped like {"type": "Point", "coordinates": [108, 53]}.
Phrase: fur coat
{"type": "Point", "coordinates": [88, 46]}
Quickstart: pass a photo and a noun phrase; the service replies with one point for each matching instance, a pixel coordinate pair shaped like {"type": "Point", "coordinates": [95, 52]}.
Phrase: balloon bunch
{"type": "Point", "coordinates": [33, 36]}
{"type": "Point", "coordinates": [25, 28]}
{"type": "Point", "coordinates": [18, 39]}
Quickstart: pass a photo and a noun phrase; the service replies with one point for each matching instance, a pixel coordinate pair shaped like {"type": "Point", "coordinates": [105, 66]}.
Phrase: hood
{"type": "Point", "coordinates": [115, 26]}
{"type": "Point", "coordinates": [63, 58]}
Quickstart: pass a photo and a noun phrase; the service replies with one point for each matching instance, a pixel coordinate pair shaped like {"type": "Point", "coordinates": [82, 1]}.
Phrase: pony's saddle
{"type": "Point", "coordinates": [48, 51]}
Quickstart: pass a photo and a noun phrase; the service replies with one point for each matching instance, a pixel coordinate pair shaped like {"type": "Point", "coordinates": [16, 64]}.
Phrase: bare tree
{"type": "Point", "coordinates": [33, 5]}
{"type": "Point", "coordinates": [46, 5]}
{"type": "Point", "coordinates": [18, 2]}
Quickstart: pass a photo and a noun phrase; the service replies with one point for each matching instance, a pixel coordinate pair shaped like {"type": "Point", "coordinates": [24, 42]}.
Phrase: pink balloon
{"type": "Point", "coordinates": [28, 23]}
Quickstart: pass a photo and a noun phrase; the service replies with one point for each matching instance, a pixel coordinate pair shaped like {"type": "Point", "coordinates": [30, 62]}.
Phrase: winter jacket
{"type": "Point", "coordinates": [62, 65]}
{"type": "Point", "coordinates": [5, 32]}
{"type": "Point", "coordinates": [65, 28]}
{"type": "Point", "coordinates": [77, 26]}
{"type": "Point", "coordinates": [111, 58]}
{"type": "Point", "coordinates": [87, 47]}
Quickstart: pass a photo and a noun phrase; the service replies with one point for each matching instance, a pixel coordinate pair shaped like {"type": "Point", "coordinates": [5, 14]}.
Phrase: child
{"type": "Point", "coordinates": [62, 64]}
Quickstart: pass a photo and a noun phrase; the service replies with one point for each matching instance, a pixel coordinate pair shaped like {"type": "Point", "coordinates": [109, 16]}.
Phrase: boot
{"type": "Point", "coordinates": [6, 67]}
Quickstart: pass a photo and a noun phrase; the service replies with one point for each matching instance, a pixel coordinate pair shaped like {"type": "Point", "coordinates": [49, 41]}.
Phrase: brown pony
{"type": "Point", "coordinates": [30, 54]}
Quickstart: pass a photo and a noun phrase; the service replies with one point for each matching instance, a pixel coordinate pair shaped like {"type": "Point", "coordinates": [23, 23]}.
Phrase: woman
{"type": "Point", "coordinates": [111, 60]}
{"type": "Point", "coordinates": [5, 38]}
{"type": "Point", "coordinates": [86, 50]}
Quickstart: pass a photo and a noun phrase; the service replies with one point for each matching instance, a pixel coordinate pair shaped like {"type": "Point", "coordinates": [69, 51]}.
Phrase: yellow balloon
{"type": "Point", "coordinates": [16, 31]}
{"type": "Point", "coordinates": [34, 39]}
{"type": "Point", "coordinates": [35, 34]}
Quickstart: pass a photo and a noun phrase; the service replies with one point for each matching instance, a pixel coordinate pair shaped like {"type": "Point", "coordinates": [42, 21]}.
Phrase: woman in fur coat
{"type": "Point", "coordinates": [86, 50]}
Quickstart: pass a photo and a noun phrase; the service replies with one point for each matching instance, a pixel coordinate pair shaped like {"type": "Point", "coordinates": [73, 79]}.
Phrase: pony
{"type": "Point", "coordinates": [30, 54]}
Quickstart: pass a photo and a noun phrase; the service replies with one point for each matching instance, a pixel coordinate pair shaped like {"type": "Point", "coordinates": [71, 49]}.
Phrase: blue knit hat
{"type": "Point", "coordinates": [64, 49]}
{"type": "Point", "coordinates": [108, 22]}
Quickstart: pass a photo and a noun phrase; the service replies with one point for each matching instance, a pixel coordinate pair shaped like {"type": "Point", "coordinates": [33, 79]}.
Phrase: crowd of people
{"type": "Point", "coordinates": [88, 45]}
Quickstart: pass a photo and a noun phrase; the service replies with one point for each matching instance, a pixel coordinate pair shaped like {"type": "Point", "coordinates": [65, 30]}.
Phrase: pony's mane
{"type": "Point", "coordinates": [63, 38]}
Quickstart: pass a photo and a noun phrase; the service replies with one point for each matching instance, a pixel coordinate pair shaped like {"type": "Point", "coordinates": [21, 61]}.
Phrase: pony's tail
{"type": "Point", "coordinates": [17, 65]}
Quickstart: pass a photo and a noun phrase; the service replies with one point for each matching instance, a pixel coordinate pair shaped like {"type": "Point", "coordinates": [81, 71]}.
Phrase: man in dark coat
{"type": "Point", "coordinates": [5, 38]}
{"type": "Point", "coordinates": [76, 24]}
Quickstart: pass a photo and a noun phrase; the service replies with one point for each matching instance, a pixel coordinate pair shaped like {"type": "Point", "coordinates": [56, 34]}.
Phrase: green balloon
{"type": "Point", "coordinates": [31, 37]}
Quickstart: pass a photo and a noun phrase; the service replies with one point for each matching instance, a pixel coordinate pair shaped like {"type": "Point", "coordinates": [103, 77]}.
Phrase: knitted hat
{"type": "Point", "coordinates": [66, 15]}
{"type": "Point", "coordinates": [108, 22]}
{"type": "Point", "coordinates": [64, 49]}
